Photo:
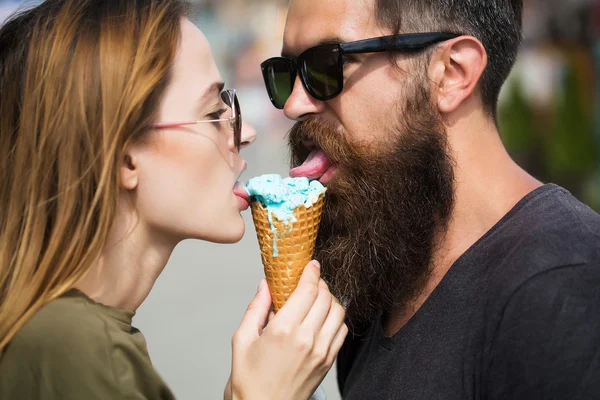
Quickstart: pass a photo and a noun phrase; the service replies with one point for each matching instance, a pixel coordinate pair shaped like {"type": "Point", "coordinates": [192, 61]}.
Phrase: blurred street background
{"type": "Point", "coordinates": [549, 119]}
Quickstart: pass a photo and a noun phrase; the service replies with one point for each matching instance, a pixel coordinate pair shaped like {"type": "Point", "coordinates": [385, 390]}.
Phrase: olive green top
{"type": "Point", "coordinates": [75, 348]}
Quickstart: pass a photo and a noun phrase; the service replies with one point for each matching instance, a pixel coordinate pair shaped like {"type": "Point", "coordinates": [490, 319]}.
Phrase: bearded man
{"type": "Point", "coordinates": [463, 276]}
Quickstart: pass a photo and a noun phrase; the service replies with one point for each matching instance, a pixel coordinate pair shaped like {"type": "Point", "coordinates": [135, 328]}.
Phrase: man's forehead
{"type": "Point", "coordinates": [309, 25]}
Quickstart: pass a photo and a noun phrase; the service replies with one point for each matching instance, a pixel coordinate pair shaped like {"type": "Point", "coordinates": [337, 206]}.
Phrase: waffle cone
{"type": "Point", "coordinates": [295, 247]}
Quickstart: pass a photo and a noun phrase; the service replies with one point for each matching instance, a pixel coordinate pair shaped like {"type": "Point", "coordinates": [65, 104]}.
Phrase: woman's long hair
{"type": "Point", "coordinates": [79, 80]}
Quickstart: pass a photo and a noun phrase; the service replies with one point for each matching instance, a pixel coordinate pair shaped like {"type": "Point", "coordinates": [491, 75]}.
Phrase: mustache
{"type": "Point", "coordinates": [326, 136]}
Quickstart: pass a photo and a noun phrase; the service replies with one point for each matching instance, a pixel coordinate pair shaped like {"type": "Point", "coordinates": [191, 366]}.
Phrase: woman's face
{"type": "Point", "coordinates": [185, 176]}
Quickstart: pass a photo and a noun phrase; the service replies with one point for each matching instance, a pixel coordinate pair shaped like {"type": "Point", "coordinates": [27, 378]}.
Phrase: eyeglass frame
{"type": "Point", "coordinates": [235, 121]}
{"type": "Point", "coordinates": [403, 42]}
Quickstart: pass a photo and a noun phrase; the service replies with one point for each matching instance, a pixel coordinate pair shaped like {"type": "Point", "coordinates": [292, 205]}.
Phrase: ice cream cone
{"type": "Point", "coordinates": [294, 242]}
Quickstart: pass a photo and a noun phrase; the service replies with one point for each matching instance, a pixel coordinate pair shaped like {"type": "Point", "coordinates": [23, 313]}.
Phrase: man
{"type": "Point", "coordinates": [463, 276]}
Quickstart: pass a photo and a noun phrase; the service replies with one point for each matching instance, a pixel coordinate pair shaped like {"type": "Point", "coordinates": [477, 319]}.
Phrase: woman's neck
{"type": "Point", "coordinates": [128, 266]}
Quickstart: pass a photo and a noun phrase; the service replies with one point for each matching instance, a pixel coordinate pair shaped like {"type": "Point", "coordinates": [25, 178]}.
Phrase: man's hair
{"type": "Point", "coordinates": [496, 23]}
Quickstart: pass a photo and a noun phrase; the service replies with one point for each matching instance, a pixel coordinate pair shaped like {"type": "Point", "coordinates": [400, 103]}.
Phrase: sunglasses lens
{"type": "Point", "coordinates": [321, 69]}
{"type": "Point", "coordinates": [278, 78]}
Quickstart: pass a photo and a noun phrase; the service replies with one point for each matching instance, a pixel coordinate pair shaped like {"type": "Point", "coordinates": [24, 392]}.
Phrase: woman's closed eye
{"type": "Point", "coordinates": [217, 114]}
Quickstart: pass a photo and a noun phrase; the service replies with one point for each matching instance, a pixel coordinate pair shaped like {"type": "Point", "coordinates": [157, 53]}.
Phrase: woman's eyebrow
{"type": "Point", "coordinates": [216, 87]}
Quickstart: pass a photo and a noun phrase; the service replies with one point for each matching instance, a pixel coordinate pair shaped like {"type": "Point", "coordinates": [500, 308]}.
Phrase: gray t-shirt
{"type": "Point", "coordinates": [516, 317]}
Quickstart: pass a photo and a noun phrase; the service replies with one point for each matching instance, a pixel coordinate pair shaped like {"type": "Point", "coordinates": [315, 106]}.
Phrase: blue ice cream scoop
{"type": "Point", "coordinates": [281, 196]}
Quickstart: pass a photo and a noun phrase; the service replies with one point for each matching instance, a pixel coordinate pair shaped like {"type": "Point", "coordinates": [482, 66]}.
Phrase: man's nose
{"type": "Point", "coordinates": [301, 105]}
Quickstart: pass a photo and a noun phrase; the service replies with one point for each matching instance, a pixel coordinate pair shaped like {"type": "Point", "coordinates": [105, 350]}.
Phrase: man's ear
{"type": "Point", "coordinates": [129, 171]}
{"type": "Point", "coordinates": [457, 68]}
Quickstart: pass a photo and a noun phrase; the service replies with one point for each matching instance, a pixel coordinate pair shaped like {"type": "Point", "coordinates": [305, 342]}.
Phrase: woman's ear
{"type": "Point", "coordinates": [457, 70]}
{"type": "Point", "coordinates": [129, 171]}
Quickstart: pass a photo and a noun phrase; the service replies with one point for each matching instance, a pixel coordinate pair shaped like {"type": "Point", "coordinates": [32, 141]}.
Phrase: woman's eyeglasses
{"type": "Point", "coordinates": [321, 68]}
{"type": "Point", "coordinates": [230, 99]}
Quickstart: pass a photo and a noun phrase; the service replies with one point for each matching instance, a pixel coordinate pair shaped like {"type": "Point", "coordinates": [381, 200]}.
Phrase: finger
{"type": "Point", "coordinates": [337, 344]}
{"type": "Point", "coordinates": [331, 326]}
{"type": "Point", "coordinates": [318, 313]}
{"type": "Point", "coordinates": [256, 315]}
{"type": "Point", "coordinates": [303, 298]}
{"type": "Point", "coordinates": [270, 318]}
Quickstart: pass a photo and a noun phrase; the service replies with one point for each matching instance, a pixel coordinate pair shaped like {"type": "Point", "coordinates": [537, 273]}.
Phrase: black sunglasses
{"type": "Point", "coordinates": [321, 68]}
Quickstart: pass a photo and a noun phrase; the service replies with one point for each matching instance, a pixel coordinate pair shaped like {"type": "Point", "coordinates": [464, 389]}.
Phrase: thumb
{"type": "Point", "coordinates": [256, 315]}
{"type": "Point", "coordinates": [302, 299]}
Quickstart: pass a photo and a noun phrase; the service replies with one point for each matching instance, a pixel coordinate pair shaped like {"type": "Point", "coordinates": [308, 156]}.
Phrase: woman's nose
{"type": "Point", "coordinates": [248, 135]}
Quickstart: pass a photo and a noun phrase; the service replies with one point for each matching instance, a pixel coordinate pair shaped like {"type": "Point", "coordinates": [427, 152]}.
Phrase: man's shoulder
{"type": "Point", "coordinates": [548, 239]}
{"type": "Point", "coordinates": [555, 210]}
{"type": "Point", "coordinates": [549, 229]}
{"type": "Point", "coordinates": [548, 323]}
{"type": "Point", "coordinates": [541, 297]}
{"type": "Point", "coordinates": [551, 213]}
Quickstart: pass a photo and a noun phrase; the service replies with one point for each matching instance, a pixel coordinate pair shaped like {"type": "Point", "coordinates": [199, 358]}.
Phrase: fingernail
{"type": "Point", "coordinates": [316, 264]}
{"type": "Point", "coordinates": [260, 285]}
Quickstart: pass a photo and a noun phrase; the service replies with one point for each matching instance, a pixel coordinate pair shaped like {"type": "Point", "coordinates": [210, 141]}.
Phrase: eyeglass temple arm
{"type": "Point", "coordinates": [415, 41]}
{"type": "Point", "coordinates": [186, 123]}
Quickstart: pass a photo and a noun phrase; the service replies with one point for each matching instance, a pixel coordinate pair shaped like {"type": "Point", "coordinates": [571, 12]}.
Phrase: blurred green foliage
{"type": "Point", "coordinates": [570, 150]}
{"type": "Point", "coordinates": [558, 143]}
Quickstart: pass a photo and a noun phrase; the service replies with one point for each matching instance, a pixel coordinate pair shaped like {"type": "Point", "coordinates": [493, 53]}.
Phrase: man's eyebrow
{"type": "Point", "coordinates": [327, 40]}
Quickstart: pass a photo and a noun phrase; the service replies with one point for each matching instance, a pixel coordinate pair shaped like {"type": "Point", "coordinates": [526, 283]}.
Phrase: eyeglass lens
{"type": "Point", "coordinates": [230, 99]}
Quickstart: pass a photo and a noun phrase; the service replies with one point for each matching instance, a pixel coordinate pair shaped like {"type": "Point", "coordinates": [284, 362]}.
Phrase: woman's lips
{"type": "Point", "coordinates": [242, 195]}
{"type": "Point", "coordinates": [316, 166]}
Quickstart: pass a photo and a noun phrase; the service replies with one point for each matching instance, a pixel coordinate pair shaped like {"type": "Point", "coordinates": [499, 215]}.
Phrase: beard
{"type": "Point", "coordinates": [385, 207]}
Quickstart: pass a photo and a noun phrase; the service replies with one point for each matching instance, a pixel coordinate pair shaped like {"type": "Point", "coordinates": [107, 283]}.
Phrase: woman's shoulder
{"type": "Point", "coordinates": [67, 320]}
{"type": "Point", "coordinates": [62, 342]}
{"type": "Point", "coordinates": [73, 345]}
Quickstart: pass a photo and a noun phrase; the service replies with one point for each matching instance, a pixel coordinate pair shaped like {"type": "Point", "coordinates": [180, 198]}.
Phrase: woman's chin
{"type": "Point", "coordinates": [228, 234]}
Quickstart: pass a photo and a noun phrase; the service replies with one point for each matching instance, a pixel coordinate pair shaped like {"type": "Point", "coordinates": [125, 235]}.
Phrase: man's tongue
{"type": "Point", "coordinates": [314, 167]}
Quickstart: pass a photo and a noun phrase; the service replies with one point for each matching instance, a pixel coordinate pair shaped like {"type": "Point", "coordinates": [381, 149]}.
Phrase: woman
{"type": "Point", "coordinates": [117, 143]}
